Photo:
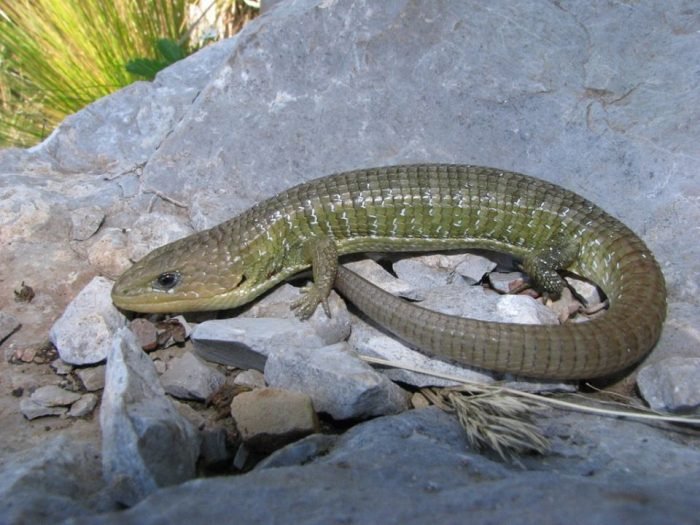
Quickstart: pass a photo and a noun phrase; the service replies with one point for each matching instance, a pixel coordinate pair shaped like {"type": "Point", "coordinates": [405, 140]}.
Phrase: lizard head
{"type": "Point", "coordinates": [196, 273]}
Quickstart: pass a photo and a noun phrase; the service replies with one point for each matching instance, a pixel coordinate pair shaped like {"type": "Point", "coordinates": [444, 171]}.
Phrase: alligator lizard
{"type": "Point", "coordinates": [421, 208]}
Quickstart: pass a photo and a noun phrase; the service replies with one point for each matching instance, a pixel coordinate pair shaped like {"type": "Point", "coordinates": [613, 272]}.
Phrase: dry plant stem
{"type": "Point", "coordinates": [638, 413]}
{"type": "Point", "coordinates": [493, 419]}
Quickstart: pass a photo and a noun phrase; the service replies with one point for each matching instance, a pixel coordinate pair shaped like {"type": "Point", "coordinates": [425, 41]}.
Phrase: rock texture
{"type": "Point", "coordinates": [48, 400]}
{"type": "Point", "coordinates": [146, 443]}
{"type": "Point", "coordinates": [602, 98]}
{"type": "Point", "coordinates": [672, 385]}
{"type": "Point", "coordinates": [83, 334]}
{"type": "Point", "coordinates": [187, 377]}
{"type": "Point", "coordinates": [336, 380]}
{"type": "Point", "coordinates": [417, 468]}
{"type": "Point", "coordinates": [268, 418]}
{"type": "Point", "coordinates": [49, 484]}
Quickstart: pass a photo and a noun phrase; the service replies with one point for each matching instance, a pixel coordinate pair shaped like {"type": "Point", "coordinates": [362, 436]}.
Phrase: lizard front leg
{"type": "Point", "coordinates": [323, 255]}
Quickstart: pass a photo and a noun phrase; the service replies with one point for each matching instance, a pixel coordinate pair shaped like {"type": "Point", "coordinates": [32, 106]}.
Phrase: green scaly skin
{"type": "Point", "coordinates": [423, 208]}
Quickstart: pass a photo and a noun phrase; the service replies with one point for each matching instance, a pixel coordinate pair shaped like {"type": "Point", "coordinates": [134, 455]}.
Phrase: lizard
{"type": "Point", "coordinates": [424, 207]}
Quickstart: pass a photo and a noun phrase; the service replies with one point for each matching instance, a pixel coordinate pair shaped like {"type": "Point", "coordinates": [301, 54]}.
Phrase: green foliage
{"type": "Point", "coordinates": [167, 52]}
{"type": "Point", "coordinates": [56, 56]}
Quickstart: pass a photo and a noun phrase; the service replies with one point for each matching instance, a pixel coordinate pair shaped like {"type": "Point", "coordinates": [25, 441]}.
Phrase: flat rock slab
{"type": "Point", "coordinates": [246, 342]}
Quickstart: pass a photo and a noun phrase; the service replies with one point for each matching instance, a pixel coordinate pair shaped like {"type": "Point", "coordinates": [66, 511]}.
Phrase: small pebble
{"type": "Point", "coordinates": [250, 379]}
{"type": "Point", "coordinates": [269, 418]}
{"type": "Point", "coordinates": [506, 282]}
{"type": "Point", "coordinates": [61, 367]}
{"type": "Point", "coordinates": [93, 378]}
{"type": "Point", "coordinates": [418, 400]}
{"type": "Point", "coordinates": [146, 333]}
{"type": "Point", "coordinates": [83, 406]}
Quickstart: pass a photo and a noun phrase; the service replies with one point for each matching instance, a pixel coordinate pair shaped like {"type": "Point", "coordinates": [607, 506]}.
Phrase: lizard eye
{"type": "Point", "coordinates": [167, 280]}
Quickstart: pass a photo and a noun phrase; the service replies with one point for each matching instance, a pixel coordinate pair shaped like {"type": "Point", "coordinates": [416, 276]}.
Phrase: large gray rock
{"type": "Point", "coordinates": [531, 97]}
{"type": "Point", "coordinates": [417, 468]}
{"type": "Point", "coordinates": [153, 230]}
{"type": "Point", "coordinates": [51, 483]}
{"type": "Point", "coordinates": [146, 443]}
{"type": "Point", "coordinates": [585, 94]}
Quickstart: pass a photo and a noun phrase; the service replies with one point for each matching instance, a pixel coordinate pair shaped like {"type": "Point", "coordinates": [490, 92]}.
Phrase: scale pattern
{"type": "Point", "coordinates": [428, 207]}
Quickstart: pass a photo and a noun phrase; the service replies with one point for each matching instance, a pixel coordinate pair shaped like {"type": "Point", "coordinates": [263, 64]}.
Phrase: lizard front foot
{"type": "Point", "coordinates": [323, 256]}
{"type": "Point", "coordinates": [311, 297]}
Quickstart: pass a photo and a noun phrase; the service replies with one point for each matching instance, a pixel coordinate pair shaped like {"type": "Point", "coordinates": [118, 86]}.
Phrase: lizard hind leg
{"type": "Point", "coordinates": [543, 265]}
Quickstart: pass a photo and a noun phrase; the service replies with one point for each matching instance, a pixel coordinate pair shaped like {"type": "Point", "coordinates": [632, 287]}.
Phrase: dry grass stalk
{"type": "Point", "coordinates": [500, 419]}
{"type": "Point", "coordinates": [493, 419]}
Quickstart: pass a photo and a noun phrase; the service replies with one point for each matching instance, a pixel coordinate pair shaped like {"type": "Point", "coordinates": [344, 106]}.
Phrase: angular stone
{"type": "Point", "coordinates": [172, 331]}
{"type": "Point", "coordinates": [83, 406]}
{"type": "Point", "coordinates": [54, 396]}
{"type": "Point", "coordinates": [246, 342]}
{"type": "Point", "coordinates": [93, 377]}
{"type": "Point", "coordinates": [146, 443]}
{"type": "Point", "coordinates": [60, 367]}
{"type": "Point", "coordinates": [300, 452]}
{"type": "Point", "coordinates": [375, 273]}
{"type": "Point", "coordinates": [369, 341]}
{"type": "Point", "coordinates": [187, 377]}
{"type": "Point", "coordinates": [506, 282]}
{"type": "Point", "coordinates": [269, 418]}
{"type": "Point", "coordinates": [671, 385]}
{"type": "Point", "coordinates": [278, 305]}
{"type": "Point", "coordinates": [83, 334]}
{"type": "Point", "coordinates": [146, 333]}
{"type": "Point", "coordinates": [585, 290]}
{"type": "Point", "coordinates": [418, 274]}
{"type": "Point", "coordinates": [523, 309]}
{"type": "Point", "coordinates": [565, 306]}
{"type": "Point", "coordinates": [32, 409]}
{"type": "Point", "coordinates": [339, 383]}
{"type": "Point", "coordinates": [474, 267]}
{"type": "Point", "coordinates": [250, 379]}
{"type": "Point", "coordinates": [418, 400]}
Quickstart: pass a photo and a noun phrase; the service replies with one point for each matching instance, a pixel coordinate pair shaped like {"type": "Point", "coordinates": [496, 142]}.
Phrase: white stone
{"type": "Point", "coordinates": [83, 334]}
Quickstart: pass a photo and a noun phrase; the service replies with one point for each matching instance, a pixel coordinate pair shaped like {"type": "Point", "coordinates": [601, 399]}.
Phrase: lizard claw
{"type": "Point", "coordinates": [306, 304]}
